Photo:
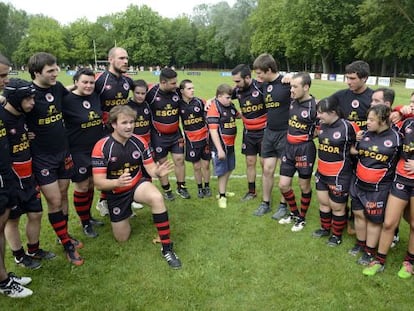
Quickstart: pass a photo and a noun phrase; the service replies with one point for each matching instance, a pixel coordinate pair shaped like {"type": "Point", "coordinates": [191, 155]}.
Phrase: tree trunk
{"type": "Point", "coordinates": [325, 63]}
{"type": "Point", "coordinates": [287, 65]}
{"type": "Point", "coordinates": [383, 67]}
{"type": "Point", "coordinates": [395, 67]}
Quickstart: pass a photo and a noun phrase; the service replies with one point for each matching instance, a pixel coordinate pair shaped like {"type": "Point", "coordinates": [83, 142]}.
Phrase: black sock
{"type": "Point", "coordinates": [252, 187]}
{"type": "Point", "coordinates": [19, 253]}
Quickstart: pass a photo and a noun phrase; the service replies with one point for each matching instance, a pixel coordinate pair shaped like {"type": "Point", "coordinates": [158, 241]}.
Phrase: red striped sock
{"type": "Point", "coordinates": [291, 201]}
{"type": "Point", "coordinates": [326, 220]}
{"type": "Point", "coordinates": [82, 207]}
{"type": "Point", "coordinates": [305, 201]}
{"type": "Point", "coordinates": [162, 224]}
{"type": "Point", "coordinates": [59, 224]}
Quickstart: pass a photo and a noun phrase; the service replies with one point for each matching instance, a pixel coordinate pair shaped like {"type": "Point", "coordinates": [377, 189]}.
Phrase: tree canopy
{"type": "Point", "coordinates": [313, 35]}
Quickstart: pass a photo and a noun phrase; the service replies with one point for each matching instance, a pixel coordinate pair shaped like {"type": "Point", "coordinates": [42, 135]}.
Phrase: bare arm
{"type": "Point", "coordinates": [104, 184]}
{"type": "Point", "coordinates": [216, 141]}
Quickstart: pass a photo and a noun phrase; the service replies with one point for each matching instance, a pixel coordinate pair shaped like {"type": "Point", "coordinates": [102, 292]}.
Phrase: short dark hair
{"type": "Point", "coordinates": [359, 67]}
{"type": "Point", "coordinates": [382, 111]}
{"type": "Point", "coordinates": [167, 74]}
{"type": "Point", "coordinates": [265, 62]}
{"type": "Point", "coordinates": [243, 69]}
{"type": "Point", "coordinates": [306, 78]}
{"type": "Point", "coordinates": [139, 83]}
{"type": "Point", "coordinates": [330, 104]}
{"type": "Point", "coordinates": [83, 72]}
{"type": "Point", "coordinates": [184, 82]}
{"type": "Point", "coordinates": [38, 61]}
{"type": "Point", "coordinates": [387, 93]}
{"type": "Point", "coordinates": [224, 89]}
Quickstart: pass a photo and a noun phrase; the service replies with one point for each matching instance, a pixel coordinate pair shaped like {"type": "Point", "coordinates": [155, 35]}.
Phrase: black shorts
{"type": "Point", "coordinates": [337, 187]}
{"type": "Point", "coordinates": [48, 168]}
{"type": "Point", "coordinates": [29, 200]}
{"type": "Point", "coordinates": [82, 166]}
{"type": "Point", "coordinates": [252, 142]}
{"type": "Point", "coordinates": [119, 205]}
{"type": "Point", "coordinates": [373, 203]}
{"type": "Point", "coordinates": [196, 153]}
{"type": "Point", "coordinates": [402, 189]}
{"type": "Point", "coordinates": [300, 158]}
{"type": "Point", "coordinates": [163, 144]}
{"type": "Point", "coordinates": [8, 198]}
{"type": "Point", "coordinates": [274, 143]}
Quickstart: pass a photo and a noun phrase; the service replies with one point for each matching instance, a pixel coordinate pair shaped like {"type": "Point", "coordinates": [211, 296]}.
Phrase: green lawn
{"type": "Point", "coordinates": [231, 259]}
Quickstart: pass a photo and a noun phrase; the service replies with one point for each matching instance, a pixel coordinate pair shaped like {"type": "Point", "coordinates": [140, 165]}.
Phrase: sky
{"type": "Point", "coordinates": [68, 11]}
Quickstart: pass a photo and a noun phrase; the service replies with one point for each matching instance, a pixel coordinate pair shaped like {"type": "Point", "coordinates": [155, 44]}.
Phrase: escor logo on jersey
{"type": "Point", "coordinates": [373, 153]}
{"type": "Point", "coordinates": [293, 122]}
{"type": "Point", "coordinates": [53, 116]}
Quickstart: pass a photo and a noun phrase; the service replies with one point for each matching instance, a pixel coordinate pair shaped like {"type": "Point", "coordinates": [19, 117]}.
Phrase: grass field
{"type": "Point", "coordinates": [231, 259]}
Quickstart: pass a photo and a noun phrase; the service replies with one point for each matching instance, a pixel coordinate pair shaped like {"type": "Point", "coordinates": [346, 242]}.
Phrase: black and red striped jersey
{"type": "Point", "coordinates": [112, 91]}
{"type": "Point", "coordinates": [19, 144]}
{"type": "Point", "coordinates": [143, 120]}
{"type": "Point", "coordinates": [377, 157]}
{"type": "Point", "coordinates": [252, 107]}
{"type": "Point", "coordinates": [335, 141]}
{"type": "Point", "coordinates": [46, 120]}
{"type": "Point", "coordinates": [407, 151]}
{"type": "Point", "coordinates": [302, 121]}
{"type": "Point", "coordinates": [165, 110]}
{"type": "Point", "coordinates": [354, 106]}
{"type": "Point", "coordinates": [223, 119]}
{"type": "Point", "coordinates": [193, 120]}
{"type": "Point", "coordinates": [277, 102]}
{"type": "Point", "coordinates": [112, 158]}
{"type": "Point", "coordinates": [83, 121]}
{"type": "Point", "coordinates": [6, 174]}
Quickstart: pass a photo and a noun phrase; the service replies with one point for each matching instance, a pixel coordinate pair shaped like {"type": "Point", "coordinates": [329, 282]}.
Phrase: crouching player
{"type": "Point", "coordinates": [118, 161]}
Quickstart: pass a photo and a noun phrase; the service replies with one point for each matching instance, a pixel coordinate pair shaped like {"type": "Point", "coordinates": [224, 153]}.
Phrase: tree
{"type": "Point", "coordinates": [387, 37]}
{"type": "Point", "coordinates": [13, 27]}
{"type": "Point", "coordinates": [181, 38]}
{"type": "Point", "coordinates": [44, 35]}
{"type": "Point", "coordinates": [141, 32]}
{"type": "Point", "coordinates": [79, 41]}
{"type": "Point", "coordinates": [266, 20]}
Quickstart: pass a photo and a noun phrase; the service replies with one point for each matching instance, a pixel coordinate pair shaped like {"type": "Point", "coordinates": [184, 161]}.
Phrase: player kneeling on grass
{"type": "Point", "coordinates": [118, 161]}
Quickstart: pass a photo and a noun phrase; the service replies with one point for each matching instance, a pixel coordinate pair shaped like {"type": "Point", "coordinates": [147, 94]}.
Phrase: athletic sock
{"type": "Point", "coordinates": [19, 254]}
{"type": "Point", "coordinates": [409, 257]}
{"type": "Point", "coordinates": [381, 258]}
{"type": "Point", "coordinates": [180, 184]}
{"type": "Point", "coordinates": [59, 225]}
{"type": "Point", "coordinates": [305, 201]}
{"type": "Point", "coordinates": [162, 224]}
{"type": "Point", "coordinates": [326, 220]}
{"type": "Point", "coordinates": [291, 201]}
{"type": "Point", "coordinates": [82, 207]}
{"type": "Point", "coordinates": [166, 187]}
{"type": "Point", "coordinates": [252, 187]}
{"type": "Point", "coordinates": [32, 248]}
{"type": "Point", "coordinates": [338, 224]}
